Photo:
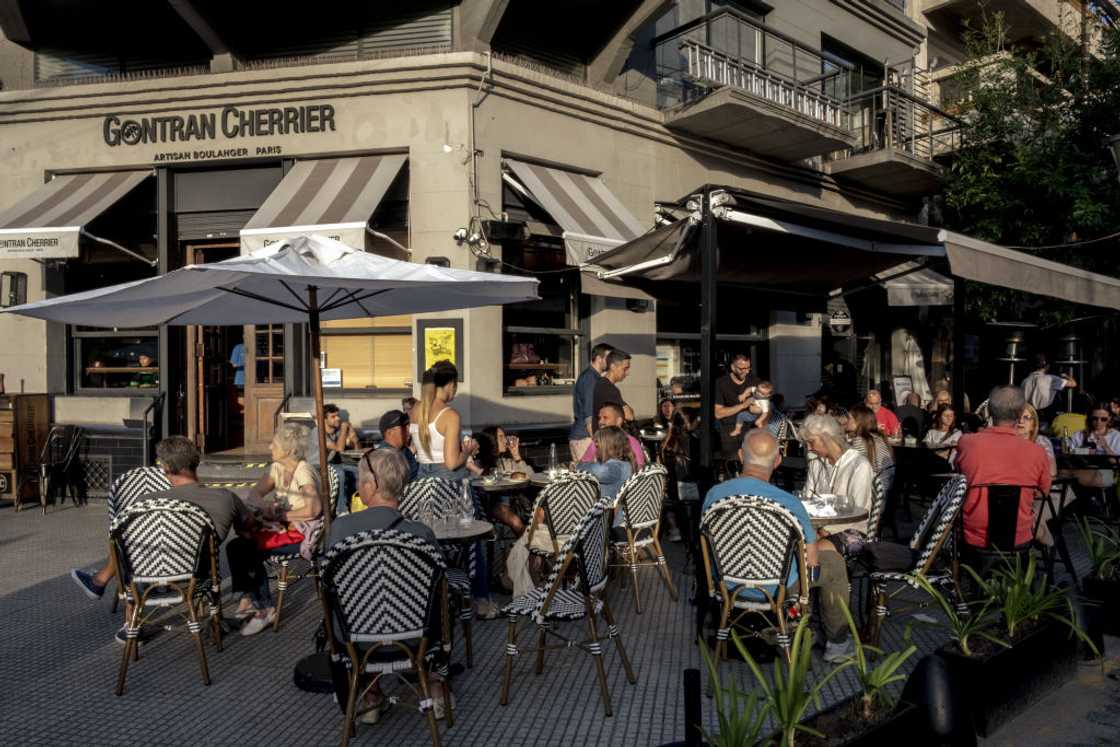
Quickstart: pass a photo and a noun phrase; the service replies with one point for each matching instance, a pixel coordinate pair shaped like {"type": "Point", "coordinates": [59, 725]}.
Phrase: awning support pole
{"type": "Point", "coordinates": [709, 272]}
{"type": "Point", "coordinates": [317, 390]}
{"type": "Point", "coordinates": [957, 382]}
{"type": "Point", "coordinates": [118, 247]}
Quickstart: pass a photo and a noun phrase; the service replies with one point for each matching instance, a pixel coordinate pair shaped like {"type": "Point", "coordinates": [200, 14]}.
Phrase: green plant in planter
{"type": "Point", "coordinates": [875, 679]}
{"type": "Point", "coordinates": [789, 695]}
{"type": "Point", "coordinates": [976, 621]}
{"type": "Point", "coordinates": [1023, 596]}
{"type": "Point", "coordinates": [1102, 545]}
{"type": "Point", "coordinates": [742, 716]}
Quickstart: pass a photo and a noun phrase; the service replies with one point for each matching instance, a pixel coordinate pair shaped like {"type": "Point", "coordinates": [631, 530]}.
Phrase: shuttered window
{"type": "Point", "coordinates": [60, 66]}
{"type": "Point", "coordinates": [371, 354]}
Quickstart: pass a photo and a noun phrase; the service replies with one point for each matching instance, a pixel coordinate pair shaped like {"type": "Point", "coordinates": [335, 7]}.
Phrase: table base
{"type": "Point", "coordinates": [313, 673]}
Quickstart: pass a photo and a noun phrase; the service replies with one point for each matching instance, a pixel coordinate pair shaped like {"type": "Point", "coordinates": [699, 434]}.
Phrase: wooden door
{"type": "Point", "coordinates": [264, 383]}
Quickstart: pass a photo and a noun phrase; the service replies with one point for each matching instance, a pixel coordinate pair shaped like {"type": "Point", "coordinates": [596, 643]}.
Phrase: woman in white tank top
{"type": "Point", "coordinates": [435, 434]}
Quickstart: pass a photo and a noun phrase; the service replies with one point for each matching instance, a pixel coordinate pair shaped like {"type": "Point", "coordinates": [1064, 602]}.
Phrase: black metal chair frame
{"type": "Point", "coordinates": [61, 476]}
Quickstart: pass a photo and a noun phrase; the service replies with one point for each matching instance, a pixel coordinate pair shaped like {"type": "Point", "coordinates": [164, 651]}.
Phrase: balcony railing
{"type": "Point", "coordinates": [726, 48]}
{"type": "Point", "coordinates": [892, 118]}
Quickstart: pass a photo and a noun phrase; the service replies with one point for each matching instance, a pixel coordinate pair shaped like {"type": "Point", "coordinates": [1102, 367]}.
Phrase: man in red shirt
{"type": "Point", "coordinates": [999, 455]}
{"type": "Point", "coordinates": [886, 420]}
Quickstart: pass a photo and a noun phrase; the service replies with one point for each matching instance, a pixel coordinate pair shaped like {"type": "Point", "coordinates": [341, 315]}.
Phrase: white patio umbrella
{"type": "Point", "coordinates": [305, 279]}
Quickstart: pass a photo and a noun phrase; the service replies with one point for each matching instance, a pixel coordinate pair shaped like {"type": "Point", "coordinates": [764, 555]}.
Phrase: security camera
{"type": "Point", "coordinates": [460, 236]}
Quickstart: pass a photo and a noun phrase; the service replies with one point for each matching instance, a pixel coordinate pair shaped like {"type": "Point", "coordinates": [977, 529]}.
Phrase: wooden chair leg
{"type": "Point", "coordinates": [116, 599]}
{"type": "Point", "coordinates": [663, 567]}
{"type": "Point", "coordinates": [195, 628]}
{"type": "Point", "coordinates": [614, 634]}
{"type": "Point", "coordinates": [426, 694]}
{"type": "Point", "coordinates": [465, 621]}
{"type": "Point", "coordinates": [597, 655]}
{"type": "Point", "coordinates": [507, 674]}
{"type": "Point", "coordinates": [281, 587]}
{"type": "Point", "coordinates": [542, 641]}
{"type": "Point", "coordinates": [216, 621]}
{"type": "Point", "coordinates": [721, 642]}
{"type": "Point", "coordinates": [878, 615]}
{"type": "Point", "coordinates": [351, 699]}
{"type": "Point", "coordinates": [130, 644]}
{"type": "Point", "coordinates": [448, 709]}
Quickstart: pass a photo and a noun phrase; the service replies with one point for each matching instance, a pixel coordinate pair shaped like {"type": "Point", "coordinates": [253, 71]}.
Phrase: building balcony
{"type": "Point", "coordinates": [1026, 20]}
{"type": "Point", "coordinates": [899, 139]}
{"type": "Point", "coordinates": [725, 78]}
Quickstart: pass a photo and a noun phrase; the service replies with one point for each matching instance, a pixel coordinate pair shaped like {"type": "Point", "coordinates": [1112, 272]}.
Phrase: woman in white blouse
{"type": "Point", "coordinates": [943, 436]}
{"type": "Point", "coordinates": [838, 468]}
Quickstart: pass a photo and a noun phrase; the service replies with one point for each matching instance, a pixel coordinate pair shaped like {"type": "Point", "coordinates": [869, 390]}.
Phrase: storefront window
{"type": "Point", "coordinates": [540, 337]}
{"type": "Point", "coordinates": [269, 354]}
{"type": "Point", "coordinates": [372, 354]}
{"type": "Point", "coordinates": [118, 359]}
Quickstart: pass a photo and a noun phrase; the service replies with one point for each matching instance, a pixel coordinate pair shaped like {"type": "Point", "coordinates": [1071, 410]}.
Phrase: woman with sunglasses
{"type": "Point", "coordinates": [1098, 434]}
{"type": "Point", "coordinates": [1028, 429]}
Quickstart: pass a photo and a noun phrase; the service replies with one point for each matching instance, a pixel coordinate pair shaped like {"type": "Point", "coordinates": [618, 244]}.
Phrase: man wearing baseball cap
{"type": "Point", "coordinates": [394, 435]}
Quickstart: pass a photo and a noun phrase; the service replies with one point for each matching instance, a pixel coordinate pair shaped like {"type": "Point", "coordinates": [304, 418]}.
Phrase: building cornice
{"type": "Point", "coordinates": [450, 71]}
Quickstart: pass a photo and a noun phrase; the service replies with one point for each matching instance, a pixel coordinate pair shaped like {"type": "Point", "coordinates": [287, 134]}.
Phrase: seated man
{"type": "Point", "coordinates": [611, 416]}
{"type": "Point", "coordinates": [382, 474]}
{"type": "Point", "coordinates": [886, 420]}
{"type": "Point", "coordinates": [340, 436]}
{"type": "Point", "coordinates": [760, 456]}
{"type": "Point", "coordinates": [179, 458]}
{"type": "Point", "coordinates": [395, 437]}
{"type": "Point", "coordinates": [998, 455]}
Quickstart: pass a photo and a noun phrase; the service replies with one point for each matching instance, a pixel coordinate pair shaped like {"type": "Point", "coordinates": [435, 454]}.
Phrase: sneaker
{"type": "Point", "coordinates": [374, 714]}
{"type": "Point", "coordinates": [244, 614]}
{"type": "Point", "coordinates": [258, 622]}
{"type": "Point", "coordinates": [674, 535]}
{"type": "Point", "coordinates": [87, 584]}
{"type": "Point", "coordinates": [485, 609]}
{"type": "Point", "coordinates": [837, 653]}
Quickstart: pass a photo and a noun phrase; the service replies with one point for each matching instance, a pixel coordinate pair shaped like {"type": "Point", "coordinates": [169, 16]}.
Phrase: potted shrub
{"type": "Point", "coordinates": [1101, 585]}
{"type": "Point", "coordinates": [1033, 651]}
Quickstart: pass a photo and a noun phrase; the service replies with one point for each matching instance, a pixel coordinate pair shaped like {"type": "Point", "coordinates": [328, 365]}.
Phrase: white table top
{"type": "Point", "coordinates": [459, 532]}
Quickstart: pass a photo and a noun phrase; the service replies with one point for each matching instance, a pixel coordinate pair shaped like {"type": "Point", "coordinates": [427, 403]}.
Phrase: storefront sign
{"type": "Point", "coordinates": [332, 378]}
{"type": "Point", "coordinates": [39, 243]}
{"type": "Point", "coordinates": [839, 322]}
{"type": "Point", "coordinates": [230, 123]}
{"type": "Point", "coordinates": [440, 340]}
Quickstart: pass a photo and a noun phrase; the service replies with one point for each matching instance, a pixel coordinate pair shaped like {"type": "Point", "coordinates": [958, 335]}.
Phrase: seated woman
{"type": "Point", "coordinates": [838, 470]}
{"type": "Point", "coordinates": [289, 509]}
{"type": "Point", "coordinates": [1028, 431]}
{"type": "Point", "coordinates": [665, 411]}
{"type": "Point", "coordinates": [864, 438]}
{"type": "Point", "coordinates": [943, 435]}
{"type": "Point", "coordinates": [501, 454]}
{"type": "Point", "coordinates": [613, 465]}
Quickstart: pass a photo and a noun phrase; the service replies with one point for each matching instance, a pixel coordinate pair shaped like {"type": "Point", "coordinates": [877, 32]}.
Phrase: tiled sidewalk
{"type": "Point", "coordinates": [59, 665]}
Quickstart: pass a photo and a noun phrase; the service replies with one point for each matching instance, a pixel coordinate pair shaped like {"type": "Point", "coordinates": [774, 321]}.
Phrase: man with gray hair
{"type": "Point", "coordinates": [998, 455]}
{"type": "Point", "coordinates": [382, 475]}
{"type": "Point", "coordinates": [760, 456]}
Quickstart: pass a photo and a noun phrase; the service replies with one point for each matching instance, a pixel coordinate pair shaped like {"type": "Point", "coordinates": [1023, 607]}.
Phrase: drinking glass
{"type": "Point", "coordinates": [552, 459]}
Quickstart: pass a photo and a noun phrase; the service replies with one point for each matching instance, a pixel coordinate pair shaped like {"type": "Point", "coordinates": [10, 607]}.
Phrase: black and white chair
{"type": "Point", "coordinates": [562, 505]}
{"type": "Point", "coordinates": [641, 499]}
{"type": "Point", "coordinates": [281, 564]}
{"type": "Point", "coordinates": [132, 485]}
{"type": "Point", "coordinates": [877, 509]}
{"type": "Point", "coordinates": [558, 601]}
{"type": "Point", "coordinates": [439, 498]}
{"type": "Point", "coordinates": [893, 567]}
{"type": "Point", "coordinates": [751, 546]}
{"type": "Point", "coordinates": [166, 554]}
{"type": "Point", "coordinates": [384, 595]}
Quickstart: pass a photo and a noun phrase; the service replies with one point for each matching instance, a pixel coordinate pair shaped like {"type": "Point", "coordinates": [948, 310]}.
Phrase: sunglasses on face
{"type": "Point", "coordinates": [1099, 419]}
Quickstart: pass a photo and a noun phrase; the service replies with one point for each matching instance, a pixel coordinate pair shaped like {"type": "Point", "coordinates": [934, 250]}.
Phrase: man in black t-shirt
{"type": "Point", "coordinates": [606, 388]}
{"type": "Point", "coordinates": [733, 391]}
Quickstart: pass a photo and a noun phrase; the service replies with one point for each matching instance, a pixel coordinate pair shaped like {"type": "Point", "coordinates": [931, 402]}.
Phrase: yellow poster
{"type": "Point", "coordinates": [439, 345]}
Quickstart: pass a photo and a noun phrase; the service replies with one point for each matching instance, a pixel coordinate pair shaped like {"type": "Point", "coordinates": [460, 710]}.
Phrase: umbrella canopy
{"type": "Point", "coordinates": [272, 286]}
{"type": "Point", "coordinates": [304, 279]}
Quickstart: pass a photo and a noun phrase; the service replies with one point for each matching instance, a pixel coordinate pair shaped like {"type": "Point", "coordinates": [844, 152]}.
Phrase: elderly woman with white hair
{"type": "Point", "coordinates": [287, 498]}
{"type": "Point", "coordinates": [837, 469]}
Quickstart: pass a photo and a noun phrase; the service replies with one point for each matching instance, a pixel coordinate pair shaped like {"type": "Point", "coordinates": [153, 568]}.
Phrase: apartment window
{"type": "Point", "coordinates": [539, 338]}
{"type": "Point", "coordinates": [269, 353]}
{"type": "Point", "coordinates": [866, 73]}
{"type": "Point", "coordinates": [370, 355]}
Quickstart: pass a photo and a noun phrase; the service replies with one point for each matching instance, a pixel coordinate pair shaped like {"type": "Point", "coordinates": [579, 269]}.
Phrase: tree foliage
{"type": "Point", "coordinates": [1034, 169]}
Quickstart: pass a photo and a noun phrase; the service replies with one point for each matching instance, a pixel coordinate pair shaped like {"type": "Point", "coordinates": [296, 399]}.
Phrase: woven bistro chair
{"type": "Point", "coordinates": [166, 554]}
{"type": "Point", "coordinates": [895, 565]}
{"type": "Point", "coordinates": [751, 545]}
{"type": "Point", "coordinates": [382, 591]}
{"type": "Point", "coordinates": [877, 508]}
{"type": "Point", "coordinates": [641, 499]}
{"type": "Point", "coordinates": [559, 601]}
{"type": "Point", "coordinates": [441, 498]}
{"type": "Point", "coordinates": [280, 564]}
{"type": "Point", "coordinates": [134, 484]}
{"type": "Point", "coordinates": [562, 505]}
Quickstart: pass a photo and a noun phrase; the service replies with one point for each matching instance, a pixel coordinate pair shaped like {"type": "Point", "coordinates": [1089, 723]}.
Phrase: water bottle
{"type": "Point", "coordinates": [552, 459]}
{"type": "Point", "coordinates": [466, 504]}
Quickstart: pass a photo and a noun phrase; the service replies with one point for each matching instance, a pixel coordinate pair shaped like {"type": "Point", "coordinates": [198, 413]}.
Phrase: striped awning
{"type": "Point", "coordinates": [593, 218]}
{"type": "Point", "coordinates": [333, 197]}
{"type": "Point", "coordinates": [47, 223]}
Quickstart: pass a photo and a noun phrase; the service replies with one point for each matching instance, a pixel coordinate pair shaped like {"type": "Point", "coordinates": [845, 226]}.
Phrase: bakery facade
{"type": "Point", "coordinates": [115, 181]}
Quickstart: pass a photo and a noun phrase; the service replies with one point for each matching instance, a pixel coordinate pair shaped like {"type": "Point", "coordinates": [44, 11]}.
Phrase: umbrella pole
{"type": "Point", "coordinates": [317, 389]}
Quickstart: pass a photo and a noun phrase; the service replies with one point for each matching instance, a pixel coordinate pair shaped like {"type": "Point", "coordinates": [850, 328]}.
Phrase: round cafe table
{"type": "Point", "coordinates": [541, 479]}
{"type": "Point", "coordinates": [503, 485]}
{"type": "Point", "coordinates": [856, 514]}
{"type": "Point", "coordinates": [457, 532]}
